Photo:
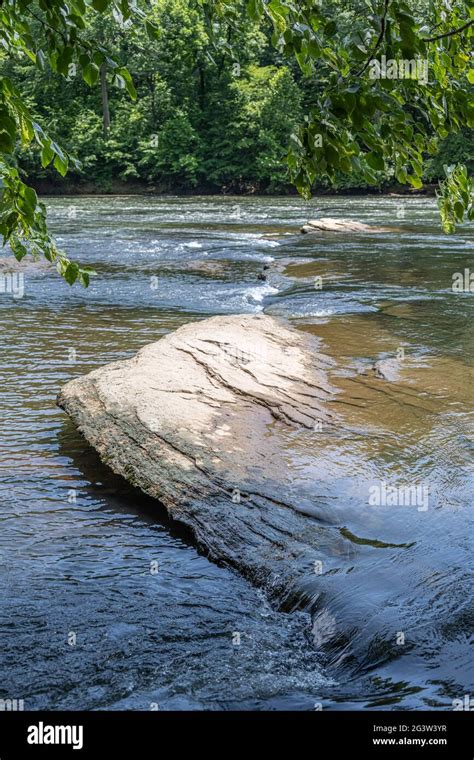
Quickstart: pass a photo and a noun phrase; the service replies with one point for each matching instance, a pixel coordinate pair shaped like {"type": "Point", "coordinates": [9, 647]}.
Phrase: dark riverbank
{"type": "Point", "coordinates": [117, 187]}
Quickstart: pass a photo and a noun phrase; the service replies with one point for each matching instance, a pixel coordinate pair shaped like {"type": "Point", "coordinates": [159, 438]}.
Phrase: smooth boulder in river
{"type": "Point", "coordinates": [231, 423]}
{"type": "Point", "coordinates": [199, 421]}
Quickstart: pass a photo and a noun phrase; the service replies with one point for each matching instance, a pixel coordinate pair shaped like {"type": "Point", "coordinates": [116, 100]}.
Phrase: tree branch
{"type": "Point", "coordinates": [448, 34]}
{"type": "Point", "coordinates": [379, 39]}
{"type": "Point", "coordinates": [48, 25]}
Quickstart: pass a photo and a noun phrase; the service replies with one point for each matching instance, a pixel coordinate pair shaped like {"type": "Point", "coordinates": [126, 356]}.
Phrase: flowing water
{"type": "Point", "coordinates": [105, 603]}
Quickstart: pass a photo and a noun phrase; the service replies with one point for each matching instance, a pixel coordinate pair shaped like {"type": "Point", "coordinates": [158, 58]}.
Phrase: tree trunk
{"type": "Point", "coordinates": [105, 98]}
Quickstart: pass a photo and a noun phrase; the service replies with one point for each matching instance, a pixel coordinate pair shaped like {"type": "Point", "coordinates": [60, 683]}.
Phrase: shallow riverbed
{"type": "Point", "coordinates": [108, 606]}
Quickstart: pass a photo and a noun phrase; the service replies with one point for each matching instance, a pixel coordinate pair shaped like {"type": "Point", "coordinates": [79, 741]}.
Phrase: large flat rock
{"type": "Point", "coordinates": [231, 423]}
{"type": "Point", "coordinates": [327, 224]}
{"type": "Point", "coordinates": [203, 420]}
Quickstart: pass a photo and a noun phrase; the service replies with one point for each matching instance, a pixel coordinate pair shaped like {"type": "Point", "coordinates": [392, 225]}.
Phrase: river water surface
{"type": "Point", "coordinates": [105, 604]}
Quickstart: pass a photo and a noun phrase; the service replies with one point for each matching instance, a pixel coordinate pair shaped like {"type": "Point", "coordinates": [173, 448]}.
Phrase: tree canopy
{"type": "Point", "coordinates": [355, 89]}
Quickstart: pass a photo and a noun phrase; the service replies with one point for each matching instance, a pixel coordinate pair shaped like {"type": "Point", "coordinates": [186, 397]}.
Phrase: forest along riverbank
{"type": "Point", "coordinates": [382, 300]}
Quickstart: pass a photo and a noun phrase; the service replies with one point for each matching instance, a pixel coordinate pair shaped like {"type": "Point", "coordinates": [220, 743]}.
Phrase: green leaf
{"type": "Point", "coordinates": [71, 273]}
{"type": "Point", "coordinates": [40, 60]}
{"type": "Point", "coordinates": [375, 161]}
{"type": "Point", "coordinates": [401, 176]}
{"type": "Point", "coordinates": [100, 5]}
{"type": "Point", "coordinates": [459, 211]}
{"type": "Point", "coordinates": [415, 182]}
{"type": "Point", "coordinates": [152, 31]}
{"type": "Point", "coordinates": [19, 250]}
{"type": "Point", "coordinates": [47, 155]}
{"type": "Point", "coordinates": [61, 164]}
{"type": "Point", "coordinates": [7, 144]}
{"type": "Point", "coordinates": [30, 198]}
{"type": "Point", "coordinates": [276, 11]}
{"type": "Point", "coordinates": [7, 124]}
{"type": "Point", "coordinates": [26, 130]}
{"type": "Point", "coordinates": [255, 9]}
{"type": "Point", "coordinates": [90, 74]}
{"type": "Point", "coordinates": [64, 59]}
{"type": "Point", "coordinates": [125, 74]}
{"type": "Point", "coordinates": [85, 275]}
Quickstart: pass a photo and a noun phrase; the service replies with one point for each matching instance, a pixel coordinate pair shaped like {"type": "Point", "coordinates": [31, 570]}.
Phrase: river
{"type": "Point", "coordinates": [105, 603]}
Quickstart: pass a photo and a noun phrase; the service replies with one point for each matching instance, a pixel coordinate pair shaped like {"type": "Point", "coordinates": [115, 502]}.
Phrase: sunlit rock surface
{"type": "Point", "coordinates": [327, 224]}
{"type": "Point", "coordinates": [200, 420]}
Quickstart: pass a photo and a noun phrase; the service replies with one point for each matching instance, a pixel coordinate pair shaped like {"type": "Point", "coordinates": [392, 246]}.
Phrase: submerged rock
{"type": "Point", "coordinates": [28, 264]}
{"type": "Point", "coordinates": [339, 225]}
{"type": "Point", "coordinates": [385, 369]}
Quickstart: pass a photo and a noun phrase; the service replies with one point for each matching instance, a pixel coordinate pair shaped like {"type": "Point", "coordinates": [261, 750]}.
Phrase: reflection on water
{"type": "Point", "coordinates": [108, 605]}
